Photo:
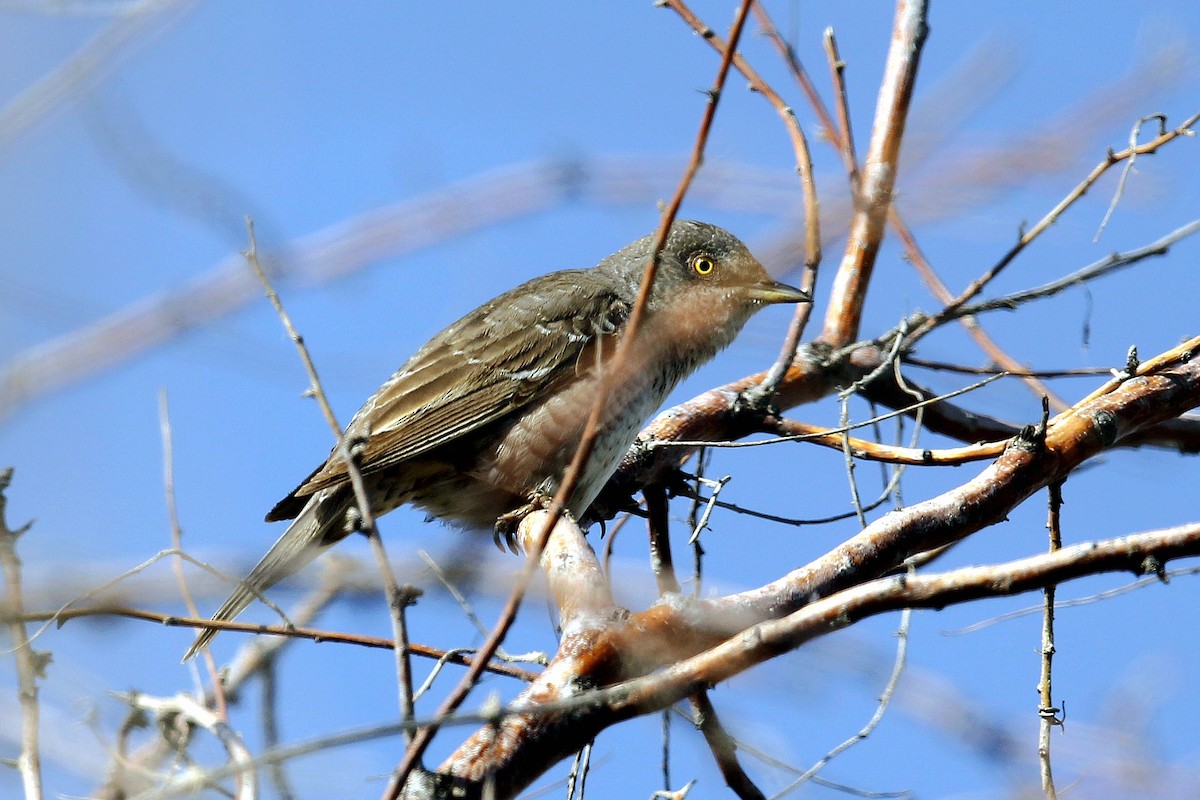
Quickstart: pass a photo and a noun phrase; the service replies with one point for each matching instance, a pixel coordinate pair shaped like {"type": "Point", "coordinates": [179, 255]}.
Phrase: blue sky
{"type": "Point", "coordinates": [308, 116]}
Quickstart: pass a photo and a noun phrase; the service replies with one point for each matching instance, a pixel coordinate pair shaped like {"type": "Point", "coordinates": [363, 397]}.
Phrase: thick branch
{"type": "Point", "coordinates": [878, 176]}
{"type": "Point", "coordinates": [695, 643]}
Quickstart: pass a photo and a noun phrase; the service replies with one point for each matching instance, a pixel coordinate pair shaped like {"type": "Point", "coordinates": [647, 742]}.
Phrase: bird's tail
{"type": "Point", "coordinates": [320, 524]}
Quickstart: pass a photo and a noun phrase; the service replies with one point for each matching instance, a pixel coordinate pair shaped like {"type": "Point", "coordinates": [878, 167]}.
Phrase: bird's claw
{"type": "Point", "coordinates": [507, 524]}
{"type": "Point", "coordinates": [508, 529]}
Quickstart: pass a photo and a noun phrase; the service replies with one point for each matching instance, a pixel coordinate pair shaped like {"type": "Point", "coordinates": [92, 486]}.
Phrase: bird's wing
{"type": "Point", "coordinates": [487, 365]}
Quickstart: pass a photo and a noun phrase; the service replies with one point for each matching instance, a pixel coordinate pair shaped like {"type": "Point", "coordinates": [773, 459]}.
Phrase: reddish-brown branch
{"type": "Point", "coordinates": [890, 454]}
{"type": "Point", "coordinates": [587, 442]}
{"type": "Point", "coordinates": [723, 747]}
{"type": "Point", "coordinates": [849, 291]}
{"type": "Point", "coordinates": [657, 526]}
{"type": "Point", "coordinates": [976, 286]}
{"type": "Point", "coordinates": [63, 616]}
{"type": "Point", "coordinates": [812, 206]}
{"type": "Point", "coordinates": [939, 289]}
{"type": "Point", "coordinates": [1140, 554]}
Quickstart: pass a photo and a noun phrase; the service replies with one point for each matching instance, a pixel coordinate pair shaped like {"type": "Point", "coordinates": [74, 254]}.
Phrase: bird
{"type": "Point", "coordinates": [479, 425]}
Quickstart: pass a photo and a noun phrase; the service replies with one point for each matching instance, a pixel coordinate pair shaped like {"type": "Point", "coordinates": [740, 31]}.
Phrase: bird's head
{"type": "Point", "coordinates": [707, 283]}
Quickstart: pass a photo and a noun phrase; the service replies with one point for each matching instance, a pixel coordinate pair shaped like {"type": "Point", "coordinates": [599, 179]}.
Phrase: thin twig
{"type": "Point", "coordinates": [938, 288]}
{"type": "Point", "coordinates": [848, 459]}
{"type": "Point", "coordinates": [407, 596]}
{"type": "Point", "coordinates": [31, 664]}
{"type": "Point", "coordinates": [587, 441]}
{"type": "Point", "coordinates": [1046, 710]}
{"type": "Point", "coordinates": [269, 702]}
{"type": "Point", "coordinates": [611, 541]}
{"type": "Point", "coordinates": [396, 600]}
{"type": "Point", "coordinates": [764, 515]}
{"type": "Point", "coordinates": [698, 525]}
{"type": "Point", "coordinates": [837, 76]}
{"type": "Point", "coordinates": [289, 631]}
{"type": "Point", "coordinates": [1097, 597]}
{"type": "Point", "coordinates": [724, 748]}
{"type": "Point", "coordinates": [463, 603]}
{"type": "Point", "coordinates": [1104, 266]}
{"type": "Point", "coordinates": [817, 779]}
{"type": "Point", "coordinates": [168, 446]}
{"type": "Point", "coordinates": [885, 699]}
{"type": "Point", "coordinates": [665, 759]}
{"type": "Point", "coordinates": [825, 432]}
{"type": "Point", "coordinates": [579, 771]}
{"type": "Point", "coordinates": [1133, 140]}
{"type": "Point", "coordinates": [693, 518]}
{"type": "Point", "coordinates": [761, 394]}
{"type": "Point", "coordinates": [925, 363]}
{"type": "Point", "coordinates": [1049, 219]}
{"type": "Point", "coordinates": [658, 527]}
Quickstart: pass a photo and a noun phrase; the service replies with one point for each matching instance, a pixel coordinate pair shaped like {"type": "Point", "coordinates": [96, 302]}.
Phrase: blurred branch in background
{"type": "Point", "coordinates": [617, 656]}
{"type": "Point", "coordinates": [527, 189]}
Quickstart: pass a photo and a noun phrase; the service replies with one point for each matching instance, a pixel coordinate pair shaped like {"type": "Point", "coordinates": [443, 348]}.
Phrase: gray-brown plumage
{"type": "Point", "coordinates": [484, 419]}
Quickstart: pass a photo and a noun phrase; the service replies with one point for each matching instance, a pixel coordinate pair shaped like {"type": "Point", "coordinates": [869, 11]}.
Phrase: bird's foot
{"type": "Point", "coordinates": [507, 524]}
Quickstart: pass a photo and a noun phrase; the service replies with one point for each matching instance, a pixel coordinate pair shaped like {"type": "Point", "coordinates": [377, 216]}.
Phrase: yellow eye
{"type": "Point", "coordinates": [703, 265]}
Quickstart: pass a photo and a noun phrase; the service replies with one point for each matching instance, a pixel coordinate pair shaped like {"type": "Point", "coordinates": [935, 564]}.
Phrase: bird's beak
{"type": "Point", "coordinates": [773, 292]}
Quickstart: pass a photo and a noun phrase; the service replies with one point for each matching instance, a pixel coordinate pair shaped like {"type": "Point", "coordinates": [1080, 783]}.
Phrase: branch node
{"type": "Point", "coordinates": [1151, 565]}
{"type": "Point", "coordinates": [1051, 714]}
{"type": "Point", "coordinates": [1033, 437]}
{"type": "Point", "coordinates": [1132, 362]}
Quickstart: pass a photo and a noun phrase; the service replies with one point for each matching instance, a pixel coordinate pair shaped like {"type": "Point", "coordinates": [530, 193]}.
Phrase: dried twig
{"type": "Point", "coordinates": [168, 446]}
{"type": "Point", "coordinates": [31, 664]}
{"type": "Point", "coordinates": [1046, 710]}
{"type": "Point", "coordinates": [1133, 140]}
{"type": "Point", "coordinates": [976, 286]}
{"type": "Point", "coordinates": [724, 749]}
{"type": "Point", "coordinates": [879, 172]}
{"type": "Point", "coordinates": [396, 599]}
{"type": "Point", "coordinates": [1104, 266]}
{"type": "Point", "coordinates": [584, 450]}
{"type": "Point", "coordinates": [286, 631]}
{"type": "Point", "coordinates": [762, 394]}
{"type": "Point", "coordinates": [889, 691]}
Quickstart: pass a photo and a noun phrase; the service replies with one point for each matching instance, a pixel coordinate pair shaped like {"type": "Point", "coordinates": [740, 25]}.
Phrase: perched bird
{"type": "Point", "coordinates": [480, 424]}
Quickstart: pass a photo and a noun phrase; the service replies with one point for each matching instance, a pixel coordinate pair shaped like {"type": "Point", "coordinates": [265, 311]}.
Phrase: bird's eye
{"type": "Point", "coordinates": [703, 265]}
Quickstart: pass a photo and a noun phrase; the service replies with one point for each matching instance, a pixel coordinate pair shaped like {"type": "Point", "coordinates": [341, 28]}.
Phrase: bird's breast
{"type": "Point", "coordinates": [534, 451]}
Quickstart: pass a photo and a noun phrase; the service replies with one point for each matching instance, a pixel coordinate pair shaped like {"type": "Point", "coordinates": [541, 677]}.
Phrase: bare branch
{"type": "Point", "coordinates": [878, 176]}
{"type": "Point", "coordinates": [976, 286]}
{"type": "Point", "coordinates": [31, 664]}
{"type": "Point", "coordinates": [591, 429]}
